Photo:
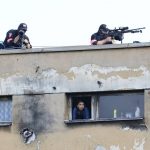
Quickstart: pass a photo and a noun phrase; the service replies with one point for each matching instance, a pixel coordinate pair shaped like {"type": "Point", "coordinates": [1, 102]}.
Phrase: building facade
{"type": "Point", "coordinates": [40, 87]}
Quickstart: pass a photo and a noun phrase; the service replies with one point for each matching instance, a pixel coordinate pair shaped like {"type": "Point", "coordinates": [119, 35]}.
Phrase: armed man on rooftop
{"type": "Point", "coordinates": [17, 38]}
{"type": "Point", "coordinates": [107, 36]}
{"type": "Point", "coordinates": [100, 38]}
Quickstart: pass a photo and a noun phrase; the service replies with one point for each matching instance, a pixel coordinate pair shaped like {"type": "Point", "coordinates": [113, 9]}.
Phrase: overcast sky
{"type": "Point", "coordinates": [71, 22]}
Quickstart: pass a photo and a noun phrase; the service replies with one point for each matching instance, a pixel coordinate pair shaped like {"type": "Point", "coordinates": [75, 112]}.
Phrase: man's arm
{"type": "Point", "coordinates": [96, 41]}
{"type": "Point", "coordinates": [12, 39]}
{"type": "Point", "coordinates": [101, 42]}
{"type": "Point", "coordinates": [105, 41]}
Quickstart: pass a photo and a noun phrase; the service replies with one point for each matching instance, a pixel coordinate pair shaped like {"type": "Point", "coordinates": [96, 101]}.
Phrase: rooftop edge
{"type": "Point", "coordinates": [74, 48]}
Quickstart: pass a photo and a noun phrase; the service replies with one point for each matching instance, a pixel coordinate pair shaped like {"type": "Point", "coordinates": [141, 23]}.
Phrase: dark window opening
{"type": "Point", "coordinates": [87, 105]}
{"type": "Point", "coordinates": [121, 106]}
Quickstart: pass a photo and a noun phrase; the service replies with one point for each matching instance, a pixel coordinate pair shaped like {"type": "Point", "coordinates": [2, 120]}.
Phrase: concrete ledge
{"type": "Point", "coordinates": [75, 48]}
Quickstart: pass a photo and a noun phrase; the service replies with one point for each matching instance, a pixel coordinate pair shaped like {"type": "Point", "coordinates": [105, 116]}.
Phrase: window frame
{"type": "Point", "coordinates": [119, 93]}
{"type": "Point", "coordinates": [69, 104]}
{"type": "Point", "coordinates": [95, 106]}
{"type": "Point", "coordinates": [7, 123]}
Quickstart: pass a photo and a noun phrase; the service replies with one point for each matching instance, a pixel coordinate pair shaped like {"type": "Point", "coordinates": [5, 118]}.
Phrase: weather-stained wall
{"type": "Point", "coordinates": [54, 72]}
{"type": "Point", "coordinates": [44, 114]}
{"type": "Point", "coordinates": [39, 79]}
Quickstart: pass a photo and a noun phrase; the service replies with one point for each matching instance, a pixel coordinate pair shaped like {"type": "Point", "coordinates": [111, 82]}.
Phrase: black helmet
{"type": "Point", "coordinates": [103, 27]}
{"type": "Point", "coordinates": [22, 26]}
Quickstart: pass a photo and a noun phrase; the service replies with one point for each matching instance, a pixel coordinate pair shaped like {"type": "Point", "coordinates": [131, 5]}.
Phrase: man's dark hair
{"type": "Point", "coordinates": [80, 101]}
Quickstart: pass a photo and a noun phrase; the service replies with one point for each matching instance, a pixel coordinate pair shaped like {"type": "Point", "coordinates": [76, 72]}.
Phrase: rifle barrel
{"type": "Point", "coordinates": [138, 28]}
{"type": "Point", "coordinates": [134, 30]}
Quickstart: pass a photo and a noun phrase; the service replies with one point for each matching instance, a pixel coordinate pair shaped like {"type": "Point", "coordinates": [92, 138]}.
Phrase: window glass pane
{"type": "Point", "coordinates": [5, 110]}
{"type": "Point", "coordinates": [121, 106]}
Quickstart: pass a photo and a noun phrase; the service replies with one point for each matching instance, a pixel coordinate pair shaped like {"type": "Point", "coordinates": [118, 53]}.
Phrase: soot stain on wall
{"type": "Point", "coordinates": [33, 113]}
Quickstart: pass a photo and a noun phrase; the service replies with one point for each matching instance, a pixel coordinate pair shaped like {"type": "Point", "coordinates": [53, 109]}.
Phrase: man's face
{"type": "Point", "coordinates": [80, 106]}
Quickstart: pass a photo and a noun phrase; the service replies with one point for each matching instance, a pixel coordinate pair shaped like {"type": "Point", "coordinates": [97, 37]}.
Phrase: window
{"type": "Point", "coordinates": [5, 110]}
{"type": "Point", "coordinates": [107, 106]}
{"type": "Point", "coordinates": [72, 103]}
{"type": "Point", "coordinates": [121, 106]}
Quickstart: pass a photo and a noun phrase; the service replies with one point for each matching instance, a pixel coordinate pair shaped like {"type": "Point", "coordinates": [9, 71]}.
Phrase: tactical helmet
{"type": "Point", "coordinates": [103, 27]}
{"type": "Point", "coordinates": [22, 26]}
